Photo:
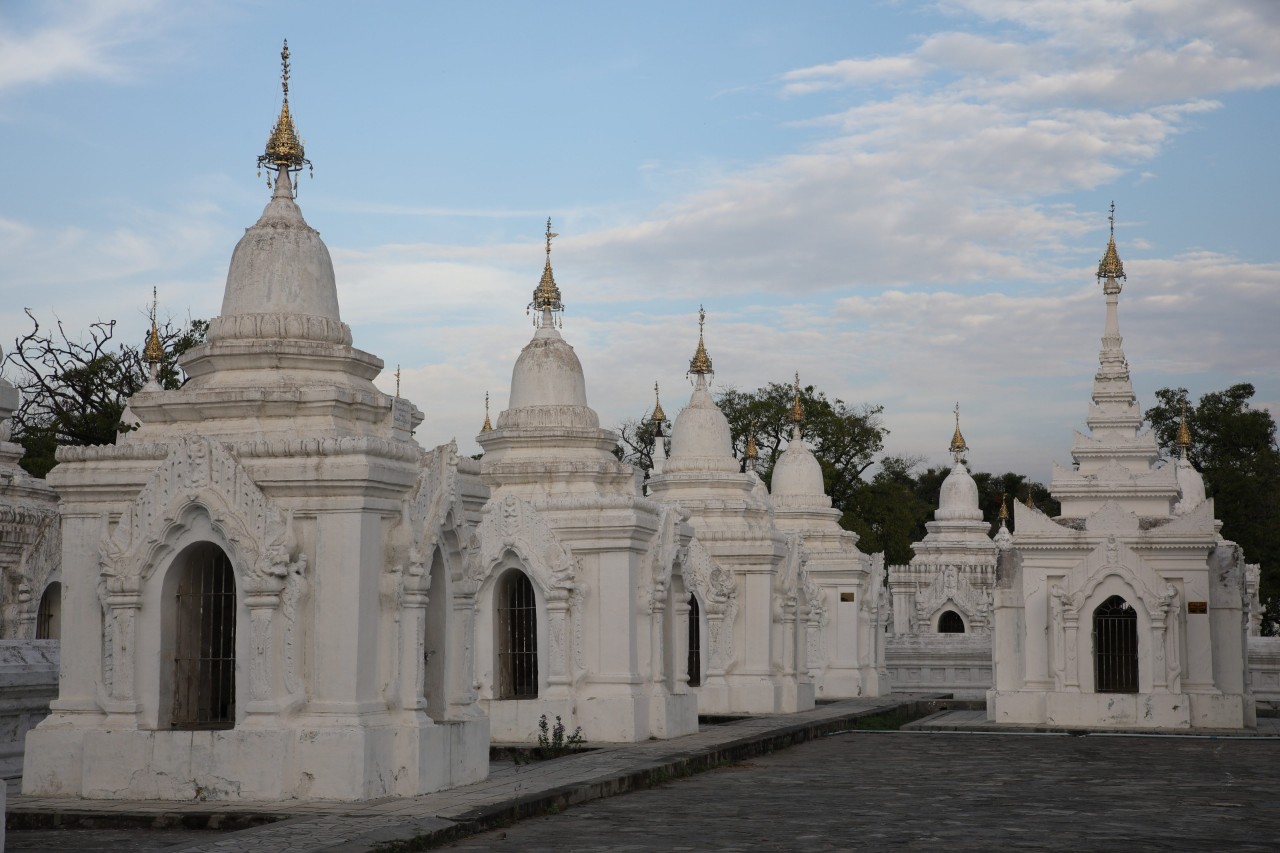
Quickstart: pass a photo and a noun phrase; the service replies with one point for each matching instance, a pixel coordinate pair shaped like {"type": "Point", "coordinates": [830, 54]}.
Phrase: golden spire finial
{"type": "Point", "coordinates": [546, 296]}
{"type": "Point", "coordinates": [958, 445]}
{"type": "Point", "coordinates": [1184, 431]}
{"type": "Point", "coordinates": [1004, 511]}
{"type": "Point", "coordinates": [658, 415]}
{"type": "Point", "coordinates": [700, 364]}
{"type": "Point", "coordinates": [488, 427]}
{"type": "Point", "coordinates": [1110, 266]}
{"type": "Point", "coordinates": [153, 352]}
{"type": "Point", "coordinates": [752, 453]}
{"type": "Point", "coordinates": [284, 151]}
{"type": "Point", "coordinates": [797, 408]}
{"type": "Point", "coordinates": [1031, 504]}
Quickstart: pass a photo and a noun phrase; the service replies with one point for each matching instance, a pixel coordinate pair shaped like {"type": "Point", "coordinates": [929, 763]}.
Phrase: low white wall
{"type": "Point", "coordinates": [1264, 668]}
{"type": "Point", "coordinates": [940, 663]}
{"type": "Point", "coordinates": [28, 683]}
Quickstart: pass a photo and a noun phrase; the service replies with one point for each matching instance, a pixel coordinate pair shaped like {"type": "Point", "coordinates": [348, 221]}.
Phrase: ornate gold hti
{"type": "Point", "coordinates": [659, 416]}
{"type": "Point", "coordinates": [284, 151]}
{"type": "Point", "coordinates": [153, 352]}
{"type": "Point", "coordinates": [1110, 267]}
{"type": "Point", "coordinates": [700, 364]}
{"type": "Point", "coordinates": [958, 445]}
{"type": "Point", "coordinates": [546, 296]}
{"type": "Point", "coordinates": [1184, 431]}
{"type": "Point", "coordinates": [797, 408]}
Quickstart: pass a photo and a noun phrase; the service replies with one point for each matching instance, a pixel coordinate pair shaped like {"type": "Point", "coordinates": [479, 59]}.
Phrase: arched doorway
{"type": "Point", "coordinates": [1115, 647]}
{"type": "Point", "coordinates": [49, 616]}
{"type": "Point", "coordinates": [517, 637]}
{"type": "Point", "coordinates": [950, 622]}
{"type": "Point", "coordinates": [204, 640]}
{"type": "Point", "coordinates": [695, 643]}
{"type": "Point", "coordinates": [434, 638]}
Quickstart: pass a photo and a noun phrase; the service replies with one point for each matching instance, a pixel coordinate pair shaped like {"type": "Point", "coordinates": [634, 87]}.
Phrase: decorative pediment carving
{"type": "Point", "coordinates": [200, 472]}
{"type": "Point", "coordinates": [661, 557]}
{"type": "Point", "coordinates": [432, 508]}
{"type": "Point", "coordinates": [512, 524]}
{"type": "Point", "coordinates": [716, 589]}
{"type": "Point", "coordinates": [949, 587]}
{"type": "Point", "coordinates": [1113, 556]}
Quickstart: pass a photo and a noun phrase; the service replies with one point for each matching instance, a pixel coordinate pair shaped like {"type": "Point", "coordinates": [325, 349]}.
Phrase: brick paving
{"type": "Point", "coordinates": [511, 791]}
{"type": "Point", "coordinates": [939, 791]}
{"type": "Point", "coordinates": [870, 790]}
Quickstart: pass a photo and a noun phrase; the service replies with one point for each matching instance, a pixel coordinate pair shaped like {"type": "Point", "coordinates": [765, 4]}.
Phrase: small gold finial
{"type": "Point", "coordinates": [546, 296]}
{"type": "Point", "coordinates": [658, 415]}
{"type": "Point", "coordinates": [797, 408]}
{"type": "Point", "coordinates": [284, 151]}
{"type": "Point", "coordinates": [153, 352]}
{"type": "Point", "coordinates": [958, 445]}
{"type": "Point", "coordinates": [1004, 510]}
{"type": "Point", "coordinates": [488, 427]}
{"type": "Point", "coordinates": [752, 453]}
{"type": "Point", "coordinates": [1110, 266]}
{"type": "Point", "coordinates": [1031, 504]}
{"type": "Point", "coordinates": [1184, 431]}
{"type": "Point", "coordinates": [700, 364]}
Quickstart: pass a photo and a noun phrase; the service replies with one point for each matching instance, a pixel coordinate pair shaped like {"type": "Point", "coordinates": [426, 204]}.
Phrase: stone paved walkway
{"type": "Point", "coordinates": [510, 792]}
{"type": "Point", "coordinates": [942, 791]}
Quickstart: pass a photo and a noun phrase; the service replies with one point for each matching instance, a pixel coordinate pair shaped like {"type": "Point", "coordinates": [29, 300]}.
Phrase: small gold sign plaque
{"type": "Point", "coordinates": [846, 596]}
{"type": "Point", "coordinates": [1197, 607]}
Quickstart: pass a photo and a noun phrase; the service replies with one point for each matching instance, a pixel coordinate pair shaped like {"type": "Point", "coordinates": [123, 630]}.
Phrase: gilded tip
{"type": "Point", "coordinates": [700, 364]}
{"type": "Point", "coordinates": [1111, 267]}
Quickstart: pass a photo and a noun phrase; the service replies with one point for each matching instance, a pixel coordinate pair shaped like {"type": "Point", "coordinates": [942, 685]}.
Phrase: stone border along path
{"type": "Point", "coordinates": [510, 793]}
{"type": "Point", "coordinates": [974, 719]}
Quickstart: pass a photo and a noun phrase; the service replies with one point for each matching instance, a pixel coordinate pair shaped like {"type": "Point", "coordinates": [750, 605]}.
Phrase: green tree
{"type": "Point", "coordinates": [1233, 445]}
{"type": "Point", "coordinates": [74, 390]}
{"type": "Point", "coordinates": [845, 439]}
{"type": "Point", "coordinates": [888, 513]}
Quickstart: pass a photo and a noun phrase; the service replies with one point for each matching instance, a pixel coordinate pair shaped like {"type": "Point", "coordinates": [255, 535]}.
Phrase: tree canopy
{"type": "Point", "coordinates": [74, 389]}
{"type": "Point", "coordinates": [1233, 445]}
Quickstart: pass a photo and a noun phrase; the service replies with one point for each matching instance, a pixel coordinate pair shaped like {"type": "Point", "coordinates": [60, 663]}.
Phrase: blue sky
{"type": "Point", "coordinates": [903, 201]}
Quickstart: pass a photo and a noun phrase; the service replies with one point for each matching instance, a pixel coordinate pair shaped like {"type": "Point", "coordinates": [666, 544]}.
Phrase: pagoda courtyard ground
{"type": "Point", "coordinates": [837, 790]}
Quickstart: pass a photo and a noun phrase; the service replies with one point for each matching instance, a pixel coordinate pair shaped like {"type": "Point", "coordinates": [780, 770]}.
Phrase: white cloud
{"type": "Point", "coordinates": [81, 39]}
{"type": "Point", "coordinates": [852, 72]}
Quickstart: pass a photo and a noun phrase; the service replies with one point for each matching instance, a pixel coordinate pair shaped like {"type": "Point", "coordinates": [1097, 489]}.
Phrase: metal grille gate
{"type": "Point", "coordinates": [1115, 647]}
{"type": "Point", "coordinates": [517, 638]}
{"type": "Point", "coordinates": [49, 616]}
{"type": "Point", "coordinates": [204, 683]}
{"type": "Point", "coordinates": [695, 643]}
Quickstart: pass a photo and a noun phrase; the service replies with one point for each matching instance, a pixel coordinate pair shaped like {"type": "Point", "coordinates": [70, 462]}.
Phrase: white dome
{"type": "Point", "coordinates": [701, 431]}
{"type": "Point", "coordinates": [281, 266]}
{"type": "Point", "coordinates": [797, 473]}
{"type": "Point", "coordinates": [548, 373]}
{"type": "Point", "coordinates": [959, 498]}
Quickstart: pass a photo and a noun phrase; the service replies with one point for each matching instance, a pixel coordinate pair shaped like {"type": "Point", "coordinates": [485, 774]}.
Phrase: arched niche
{"type": "Point", "coordinates": [516, 663]}
{"type": "Point", "coordinates": [950, 622]}
{"type": "Point", "coordinates": [198, 626]}
{"type": "Point", "coordinates": [696, 635]}
{"type": "Point", "coordinates": [49, 614]}
{"type": "Point", "coordinates": [435, 638]}
{"type": "Point", "coordinates": [1115, 646]}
